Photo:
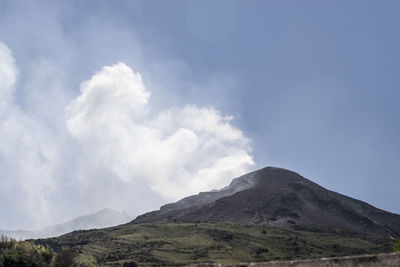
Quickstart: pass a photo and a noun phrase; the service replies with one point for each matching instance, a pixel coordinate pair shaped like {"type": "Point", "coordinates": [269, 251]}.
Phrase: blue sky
{"type": "Point", "coordinates": [312, 86]}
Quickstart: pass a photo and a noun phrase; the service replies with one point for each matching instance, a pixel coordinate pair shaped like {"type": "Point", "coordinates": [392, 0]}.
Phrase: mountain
{"type": "Point", "coordinates": [100, 219]}
{"type": "Point", "coordinates": [282, 198]}
{"type": "Point", "coordinates": [269, 214]}
{"type": "Point", "coordinates": [180, 244]}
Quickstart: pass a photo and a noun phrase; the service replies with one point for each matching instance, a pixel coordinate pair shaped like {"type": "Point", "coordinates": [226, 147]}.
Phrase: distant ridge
{"type": "Point", "coordinates": [278, 197]}
{"type": "Point", "coordinates": [100, 219]}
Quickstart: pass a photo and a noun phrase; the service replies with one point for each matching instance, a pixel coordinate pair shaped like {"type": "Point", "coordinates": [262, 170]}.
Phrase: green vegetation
{"type": "Point", "coordinates": [177, 244]}
{"type": "Point", "coordinates": [68, 257]}
{"type": "Point", "coordinates": [28, 254]}
{"type": "Point", "coordinates": [13, 253]}
{"type": "Point", "coordinates": [396, 247]}
{"type": "Point", "coordinates": [396, 244]}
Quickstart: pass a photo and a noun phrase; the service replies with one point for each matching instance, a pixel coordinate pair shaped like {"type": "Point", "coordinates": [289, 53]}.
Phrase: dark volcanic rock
{"type": "Point", "coordinates": [279, 197]}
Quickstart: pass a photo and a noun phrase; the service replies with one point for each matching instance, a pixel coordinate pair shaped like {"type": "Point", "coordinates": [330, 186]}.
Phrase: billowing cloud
{"type": "Point", "coordinates": [8, 75]}
{"type": "Point", "coordinates": [178, 151]}
{"type": "Point", "coordinates": [109, 148]}
{"type": "Point", "coordinates": [27, 154]}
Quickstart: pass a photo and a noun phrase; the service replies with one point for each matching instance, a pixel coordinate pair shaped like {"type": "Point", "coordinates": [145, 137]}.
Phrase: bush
{"type": "Point", "coordinates": [6, 242]}
{"type": "Point", "coordinates": [23, 253]}
{"type": "Point", "coordinates": [70, 258]}
{"type": "Point", "coordinates": [261, 250]}
{"type": "Point", "coordinates": [28, 254]}
{"type": "Point", "coordinates": [131, 264]}
{"type": "Point", "coordinates": [65, 258]}
{"type": "Point", "coordinates": [85, 261]}
{"type": "Point", "coordinates": [396, 247]}
{"type": "Point", "coordinates": [263, 231]}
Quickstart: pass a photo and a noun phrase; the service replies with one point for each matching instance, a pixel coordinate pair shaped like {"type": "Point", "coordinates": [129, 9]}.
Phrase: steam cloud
{"type": "Point", "coordinates": [27, 153]}
{"type": "Point", "coordinates": [116, 146]}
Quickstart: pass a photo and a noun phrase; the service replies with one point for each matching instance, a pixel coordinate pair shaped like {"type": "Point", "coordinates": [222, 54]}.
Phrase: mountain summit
{"type": "Point", "coordinates": [278, 197]}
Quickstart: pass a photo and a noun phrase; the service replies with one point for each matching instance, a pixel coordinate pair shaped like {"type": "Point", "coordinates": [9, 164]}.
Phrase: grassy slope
{"type": "Point", "coordinates": [178, 244]}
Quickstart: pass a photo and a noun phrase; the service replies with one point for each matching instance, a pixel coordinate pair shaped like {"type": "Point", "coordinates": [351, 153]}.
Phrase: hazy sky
{"type": "Point", "coordinates": [133, 104]}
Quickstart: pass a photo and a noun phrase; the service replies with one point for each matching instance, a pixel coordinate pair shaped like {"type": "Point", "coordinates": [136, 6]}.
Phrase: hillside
{"type": "Point", "coordinates": [269, 214]}
{"type": "Point", "coordinates": [100, 219]}
{"type": "Point", "coordinates": [176, 244]}
{"type": "Point", "coordinates": [281, 198]}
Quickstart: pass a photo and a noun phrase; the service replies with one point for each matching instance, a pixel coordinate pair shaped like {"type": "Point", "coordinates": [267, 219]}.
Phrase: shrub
{"type": "Point", "coordinates": [85, 261]}
{"type": "Point", "coordinates": [261, 250]}
{"type": "Point", "coordinates": [23, 253]}
{"type": "Point", "coordinates": [6, 242]}
{"type": "Point", "coordinates": [131, 264]}
{"type": "Point", "coordinates": [263, 231]}
{"type": "Point", "coordinates": [65, 258]}
{"type": "Point", "coordinates": [396, 247]}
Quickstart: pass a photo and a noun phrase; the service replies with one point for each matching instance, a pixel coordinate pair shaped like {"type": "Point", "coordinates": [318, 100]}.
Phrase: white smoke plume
{"type": "Point", "coordinates": [179, 151]}
{"type": "Point", "coordinates": [115, 150]}
{"type": "Point", "coordinates": [28, 155]}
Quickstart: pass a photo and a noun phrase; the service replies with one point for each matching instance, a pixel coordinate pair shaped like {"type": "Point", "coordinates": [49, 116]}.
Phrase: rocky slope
{"type": "Point", "coordinates": [278, 197]}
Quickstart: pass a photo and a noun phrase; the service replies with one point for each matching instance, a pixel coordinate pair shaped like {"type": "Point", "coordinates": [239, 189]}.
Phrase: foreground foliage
{"type": "Point", "coordinates": [396, 246]}
{"type": "Point", "coordinates": [28, 254]}
{"type": "Point", "coordinates": [23, 253]}
{"type": "Point", "coordinates": [178, 244]}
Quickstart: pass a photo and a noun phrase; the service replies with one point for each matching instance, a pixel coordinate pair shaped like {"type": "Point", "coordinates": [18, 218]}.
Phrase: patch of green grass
{"type": "Point", "coordinates": [182, 243]}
